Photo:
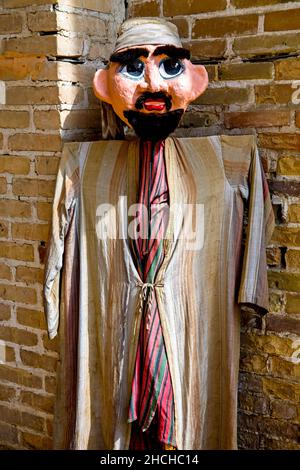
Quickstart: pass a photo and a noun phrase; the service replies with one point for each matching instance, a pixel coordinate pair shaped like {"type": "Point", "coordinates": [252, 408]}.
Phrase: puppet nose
{"type": "Point", "coordinates": [154, 81]}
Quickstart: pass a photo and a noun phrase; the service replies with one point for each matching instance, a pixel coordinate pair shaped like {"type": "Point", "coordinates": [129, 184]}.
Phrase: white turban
{"type": "Point", "coordinates": [141, 31]}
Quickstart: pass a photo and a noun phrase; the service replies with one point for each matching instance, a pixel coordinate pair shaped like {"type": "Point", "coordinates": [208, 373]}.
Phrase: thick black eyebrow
{"type": "Point", "coordinates": [124, 57]}
{"type": "Point", "coordinates": [173, 52]}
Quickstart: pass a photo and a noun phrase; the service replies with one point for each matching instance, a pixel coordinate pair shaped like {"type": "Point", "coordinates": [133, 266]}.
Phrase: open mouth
{"type": "Point", "coordinates": [157, 104]}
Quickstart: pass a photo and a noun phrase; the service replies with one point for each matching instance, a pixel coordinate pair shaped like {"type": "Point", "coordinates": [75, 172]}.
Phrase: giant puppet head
{"type": "Point", "coordinates": [150, 80]}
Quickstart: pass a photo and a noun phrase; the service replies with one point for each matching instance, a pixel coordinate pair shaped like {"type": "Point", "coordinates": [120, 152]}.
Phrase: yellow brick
{"type": "Point", "coordinates": [44, 210]}
{"type": "Point", "coordinates": [29, 274]}
{"type": "Point", "coordinates": [224, 26]}
{"type": "Point", "coordinates": [44, 45]}
{"type": "Point", "coordinates": [38, 361]}
{"type": "Point", "coordinates": [37, 401]}
{"type": "Point", "coordinates": [212, 72]}
{"type": "Point", "coordinates": [50, 384]}
{"type": "Point", "coordinates": [14, 119]}
{"type": "Point", "coordinates": [18, 294]}
{"type": "Point", "coordinates": [71, 94]}
{"type": "Point", "coordinates": [4, 229]}
{"type": "Point", "coordinates": [46, 119]}
{"type": "Point", "coordinates": [283, 410]}
{"type": "Point", "coordinates": [3, 184]}
{"type": "Point", "coordinates": [286, 236]}
{"type": "Point", "coordinates": [246, 71]}
{"type": "Point", "coordinates": [69, 22]}
{"type": "Point", "coordinates": [32, 95]}
{"type": "Point", "coordinates": [33, 187]}
{"type": "Point", "coordinates": [82, 73]}
{"type": "Point", "coordinates": [294, 213]}
{"type": "Point", "coordinates": [52, 45]}
{"type": "Point", "coordinates": [50, 344]}
{"type": "Point", "coordinates": [71, 47]}
{"type": "Point", "coordinates": [14, 165]}
{"type": "Point", "coordinates": [284, 281]}
{"type": "Point", "coordinates": [280, 141]}
{"type": "Point", "coordinates": [288, 166]}
{"type": "Point", "coordinates": [253, 362]}
{"type": "Point", "coordinates": [293, 260]}
{"type": "Point", "coordinates": [182, 26]}
{"type": "Point", "coordinates": [190, 7]}
{"type": "Point", "coordinates": [47, 70]}
{"type": "Point", "coordinates": [273, 94]}
{"type": "Point", "coordinates": [42, 21]}
{"type": "Point", "coordinates": [273, 256]}
{"type": "Point", "coordinates": [281, 389]}
{"type": "Point", "coordinates": [284, 368]}
{"type": "Point", "coordinates": [23, 252]}
{"type": "Point", "coordinates": [18, 68]}
{"type": "Point", "coordinates": [141, 8]}
{"type": "Point", "coordinates": [36, 441]}
{"type": "Point", "coordinates": [38, 142]}
{"type": "Point", "coordinates": [99, 51]}
{"type": "Point", "coordinates": [32, 318]}
{"type": "Point", "coordinates": [5, 271]}
{"type": "Point", "coordinates": [253, 3]}
{"type": "Point", "coordinates": [282, 20]}
{"type": "Point", "coordinates": [18, 335]}
{"type": "Point", "coordinates": [47, 165]}
{"type": "Point", "coordinates": [20, 376]}
{"type": "Point", "coordinates": [32, 421]}
{"type": "Point", "coordinates": [4, 311]}
{"type": "Point", "coordinates": [287, 69]}
{"type": "Point", "coordinates": [224, 96]}
{"type": "Point", "coordinates": [81, 119]}
{"type": "Point", "coordinates": [30, 231]}
{"type": "Point", "coordinates": [268, 344]}
{"type": "Point", "coordinates": [265, 44]}
{"type": "Point", "coordinates": [103, 6]}
{"type": "Point", "coordinates": [10, 23]}
{"type": "Point", "coordinates": [10, 354]}
{"type": "Point", "coordinates": [22, 3]}
{"type": "Point", "coordinates": [257, 119]}
{"type": "Point", "coordinates": [7, 393]}
{"type": "Point", "coordinates": [207, 49]}
{"type": "Point", "coordinates": [275, 302]}
{"type": "Point", "coordinates": [292, 304]}
{"type": "Point", "coordinates": [14, 208]}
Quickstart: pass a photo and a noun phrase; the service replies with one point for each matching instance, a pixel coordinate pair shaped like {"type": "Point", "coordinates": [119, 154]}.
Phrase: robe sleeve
{"type": "Point", "coordinates": [253, 290]}
{"type": "Point", "coordinates": [65, 199]}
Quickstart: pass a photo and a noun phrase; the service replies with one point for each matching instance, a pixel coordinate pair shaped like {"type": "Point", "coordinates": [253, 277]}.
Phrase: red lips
{"type": "Point", "coordinates": [157, 104]}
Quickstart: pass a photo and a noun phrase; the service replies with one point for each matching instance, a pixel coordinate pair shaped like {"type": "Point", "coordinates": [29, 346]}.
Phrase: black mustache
{"type": "Point", "coordinates": [157, 95]}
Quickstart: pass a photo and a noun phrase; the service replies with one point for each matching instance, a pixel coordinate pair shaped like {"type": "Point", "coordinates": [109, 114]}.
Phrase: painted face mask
{"type": "Point", "coordinates": [150, 86]}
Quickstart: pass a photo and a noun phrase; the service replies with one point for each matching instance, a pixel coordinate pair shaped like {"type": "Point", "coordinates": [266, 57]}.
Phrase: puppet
{"type": "Point", "coordinates": [146, 271]}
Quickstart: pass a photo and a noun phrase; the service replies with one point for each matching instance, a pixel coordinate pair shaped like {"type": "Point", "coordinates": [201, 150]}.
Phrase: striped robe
{"type": "Point", "coordinates": [92, 288]}
{"type": "Point", "coordinates": [151, 402]}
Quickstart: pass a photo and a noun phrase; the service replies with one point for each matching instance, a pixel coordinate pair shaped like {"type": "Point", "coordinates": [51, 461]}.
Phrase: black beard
{"type": "Point", "coordinates": [154, 126]}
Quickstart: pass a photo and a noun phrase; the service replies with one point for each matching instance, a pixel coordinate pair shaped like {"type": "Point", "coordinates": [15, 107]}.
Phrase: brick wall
{"type": "Point", "coordinates": [49, 52]}
{"type": "Point", "coordinates": [252, 52]}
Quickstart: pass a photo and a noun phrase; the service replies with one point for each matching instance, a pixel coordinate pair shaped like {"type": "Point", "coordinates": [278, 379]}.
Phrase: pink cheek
{"type": "Point", "coordinates": [123, 91]}
{"type": "Point", "coordinates": [179, 91]}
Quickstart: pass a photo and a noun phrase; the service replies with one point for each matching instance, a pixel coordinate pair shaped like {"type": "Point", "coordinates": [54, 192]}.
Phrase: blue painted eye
{"type": "Point", "coordinates": [170, 68]}
{"type": "Point", "coordinates": [134, 70]}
